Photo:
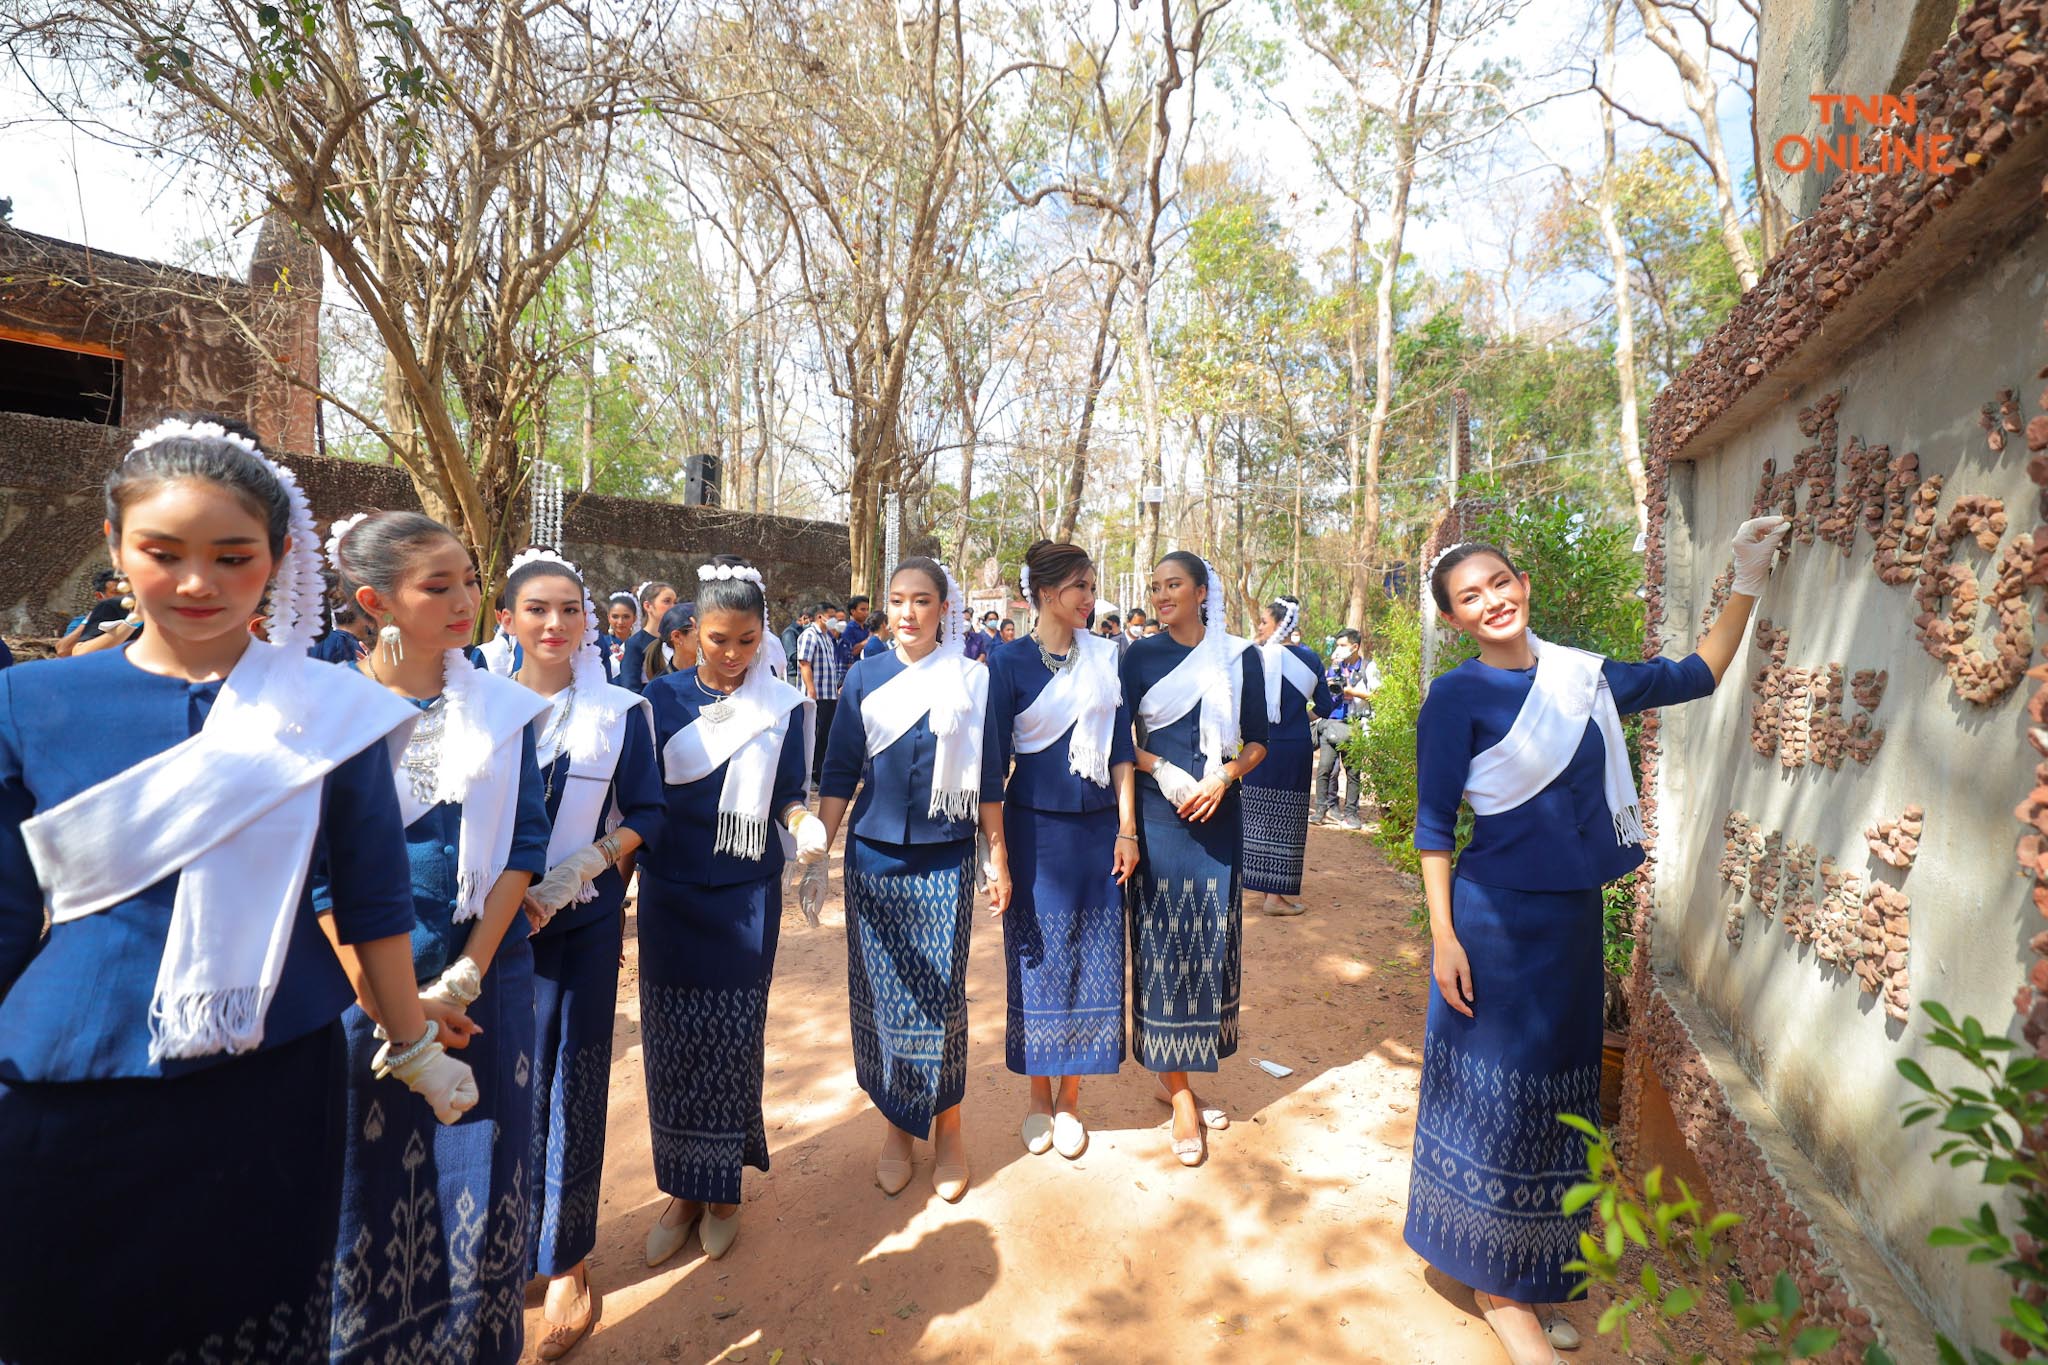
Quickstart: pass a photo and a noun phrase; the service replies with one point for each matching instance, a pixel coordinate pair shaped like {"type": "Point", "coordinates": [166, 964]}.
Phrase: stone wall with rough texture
{"type": "Point", "coordinates": [186, 340]}
{"type": "Point", "coordinates": [51, 513]}
{"type": "Point", "coordinates": [1833, 47]}
{"type": "Point", "coordinates": [1831, 829]}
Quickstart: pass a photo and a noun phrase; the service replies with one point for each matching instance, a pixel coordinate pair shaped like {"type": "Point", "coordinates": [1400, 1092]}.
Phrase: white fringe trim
{"type": "Point", "coordinates": [1628, 826]}
{"type": "Point", "coordinates": [1086, 761]}
{"type": "Point", "coordinates": [741, 834]}
{"type": "Point", "coordinates": [469, 895]}
{"type": "Point", "coordinates": [955, 805]}
{"type": "Point", "coordinates": [207, 1023]}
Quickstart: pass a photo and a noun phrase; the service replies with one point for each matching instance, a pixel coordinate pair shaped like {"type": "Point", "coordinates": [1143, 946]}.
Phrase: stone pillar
{"type": "Point", "coordinates": [285, 281]}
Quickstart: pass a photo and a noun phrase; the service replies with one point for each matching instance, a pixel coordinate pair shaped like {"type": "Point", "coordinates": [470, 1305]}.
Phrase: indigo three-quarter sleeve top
{"type": "Point", "coordinates": [1150, 660]}
{"type": "Point", "coordinates": [689, 832]}
{"type": "Point", "coordinates": [1044, 780]}
{"type": "Point", "coordinates": [635, 793]}
{"type": "Point", "coordinates": [433, 843]}
{"type": "Point", "coordinates": [896, 784]}
{"type": "Point", "coordinates": [1296, 706]}
{"type": "Point", "coordinates": [74, 1004]}
{"type": "Point", "coordinates": [1561, 839]}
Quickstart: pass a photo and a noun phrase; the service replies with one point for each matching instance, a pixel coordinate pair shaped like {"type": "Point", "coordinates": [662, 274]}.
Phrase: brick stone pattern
{"type": "Point", "coordinates": [186, 340]}
{"type": "Point", "coordinates": [51, 512]}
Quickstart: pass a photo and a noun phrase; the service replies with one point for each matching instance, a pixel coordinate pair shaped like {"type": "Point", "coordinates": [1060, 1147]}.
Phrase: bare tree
{"type": "Point", "coordinates": [445, 159]}
{"type": "Point", "coordinates": [1702, 96]}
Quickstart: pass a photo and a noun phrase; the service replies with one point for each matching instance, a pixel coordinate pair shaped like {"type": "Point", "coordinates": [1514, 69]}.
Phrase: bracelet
{"type": "Point", "coordinates": [1132, 837]}
{"type": "Point", "coordinates": [383, 1064]}
{"type": "Point", "coordinates": [609, 847]}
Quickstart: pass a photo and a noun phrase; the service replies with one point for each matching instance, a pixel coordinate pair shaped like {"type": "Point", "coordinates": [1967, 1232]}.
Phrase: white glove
{"type": "Point", "coordinates": [1757, 542]}
{"type": "Point", "coordinates": [1174, 784]}
{"type": "Point", "coordinates": [567, 877]}
{"type": "Point", "coordinates": [444, 1082]}
{"type": "Point", "coordinates": [810, 893]}
{"type": "Point", "coordinates": [810, 838]}
{"type": "Point", "coordinates": [459, 986]}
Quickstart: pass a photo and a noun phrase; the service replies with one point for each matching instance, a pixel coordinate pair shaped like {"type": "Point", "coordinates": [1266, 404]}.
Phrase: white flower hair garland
{"type": "Point", "coordinates": [297, 590]}
{"type": "Point", "coordinates": [1444, 554]}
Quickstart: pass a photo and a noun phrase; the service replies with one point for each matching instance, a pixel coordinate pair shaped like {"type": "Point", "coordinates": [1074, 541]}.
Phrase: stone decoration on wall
{"type": "Point", "coordinates": [1857, 924]}
{"type": "Point", "coordinates": [1798, 712]}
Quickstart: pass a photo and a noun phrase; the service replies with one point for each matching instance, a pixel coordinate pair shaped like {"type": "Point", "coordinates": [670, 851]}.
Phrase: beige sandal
{"type": "Point", "coordinates": [1212, 1117]}
{"type": "Point", "coordinates": [561, 1336]}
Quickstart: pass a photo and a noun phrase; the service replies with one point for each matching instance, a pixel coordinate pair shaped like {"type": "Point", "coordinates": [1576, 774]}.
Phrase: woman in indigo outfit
{"type": "Point", "coordinates": [1529, 733]}
{"type": "Point", "coordinates": [595, 746]}
{"type": "Point", "coordinates": [171, 1052]}
{"type": "Point", "coordinates": [436, 1224]}
{"type": "Point", "coordinates": [1199, 697]}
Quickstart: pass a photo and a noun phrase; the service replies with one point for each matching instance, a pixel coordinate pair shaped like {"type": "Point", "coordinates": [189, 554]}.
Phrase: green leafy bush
{"type": "Point", "coordinates": [1989, 1123]}
{"type": "Point", "coordinates": [1687, 1257]}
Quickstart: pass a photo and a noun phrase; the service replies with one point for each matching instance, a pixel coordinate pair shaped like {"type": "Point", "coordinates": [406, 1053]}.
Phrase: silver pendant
{"type": "Point", "coordinates": [719, 712]}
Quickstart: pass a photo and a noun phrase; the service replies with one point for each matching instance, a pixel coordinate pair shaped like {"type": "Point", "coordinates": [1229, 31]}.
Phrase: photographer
{"type": "Point", "coordinates": [1352, 678]}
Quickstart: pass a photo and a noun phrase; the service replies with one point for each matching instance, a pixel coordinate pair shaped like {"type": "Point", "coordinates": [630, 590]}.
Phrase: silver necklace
{"type": "Point", "coordinates": [422, 762]}
{"type": "Point", "coordinates": [560, 731]}
{"type": "Point", "coordinates": [1055, 662]}
{"type": "Point", "coordinates": [721, 708]}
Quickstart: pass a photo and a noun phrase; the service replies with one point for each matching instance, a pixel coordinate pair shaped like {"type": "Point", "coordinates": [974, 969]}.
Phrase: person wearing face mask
{"type": "Point", "coordinates": [1529, 735]}
{"type": "Point", "coordinates": [823, 672]}
{"type": "Point", "coordinates": [1351, 680]}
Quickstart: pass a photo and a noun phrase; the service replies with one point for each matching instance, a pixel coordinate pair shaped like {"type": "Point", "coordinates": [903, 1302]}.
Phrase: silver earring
{"type": "Point", "coordinates": [127, 601]}
{"type": "Point", "coordinates": [391, 641]}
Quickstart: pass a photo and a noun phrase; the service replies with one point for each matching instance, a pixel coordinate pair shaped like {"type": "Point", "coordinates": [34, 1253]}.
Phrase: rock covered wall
{"type": "Point", "coordinates": [51, 513]}
{"type": "Point", "coordinates": [1833, 829]}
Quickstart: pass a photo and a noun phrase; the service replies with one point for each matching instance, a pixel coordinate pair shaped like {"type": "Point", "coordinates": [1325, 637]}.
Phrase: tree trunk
{"type": "Point", "coordinates": [1077, 465]}
{"type": "Point", "coordinates": [1154, 473]}
{"type": "Point", "coordinates": [588, 462]}
{"type": "Point", "coordinates": [1354, 450]}
{"type": "Point", "coordinates": [1624, 317]}
{"type": "Point", "coordinates": [1367, 550]}
{"type": "Point", "coordinates": [1368, 542]}
{"type": "Point", "coordinates": [1700, 92]}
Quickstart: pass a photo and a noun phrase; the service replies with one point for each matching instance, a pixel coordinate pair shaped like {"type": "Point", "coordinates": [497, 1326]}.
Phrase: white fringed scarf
{"type": "Point", "coordinates": [1569, 692]}
{"type": "Point", "coordinates": [232, 811]}
{"type": "Point", "coordinates": [1207, 677]}
{"type": "Point", "coordinates": [953, 690]}
{"type": "Point", "coordinates": [1281, 662]}
{"type": "Point", "coordinates": [1082, 698]}
{"type": "Point", "coordinates": [479, 770]}
{"type": "Point", "coordinates": [748, 741]}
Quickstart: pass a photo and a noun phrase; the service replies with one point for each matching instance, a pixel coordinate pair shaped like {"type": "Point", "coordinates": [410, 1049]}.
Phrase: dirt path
{"type": "Point", "coordinates": [1286, 1245]}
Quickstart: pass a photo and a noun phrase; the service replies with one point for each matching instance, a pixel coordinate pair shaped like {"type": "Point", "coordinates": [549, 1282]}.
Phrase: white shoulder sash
{"type": "Point", "coordinates": [1569, 691]}
{"type": "Point", "coordinates": [233, 810]}
{"type": "Point", "coordinates": [1082, 699]}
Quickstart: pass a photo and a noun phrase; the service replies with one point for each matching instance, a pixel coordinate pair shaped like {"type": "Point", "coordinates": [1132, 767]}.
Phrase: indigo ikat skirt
{"type": "Point", "coordinates": [1186, 925]}
{"type": "Point", "coordinates": [1492, 1163]}
{"type": "Point", "coordinates": [707, 956]}
{"type": "Point", "coordinates": [909, 912]}
{"type": "Point", "coordinates": [1276, 817]}
{"type": "Point", "coordinates": [1063, 944]}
